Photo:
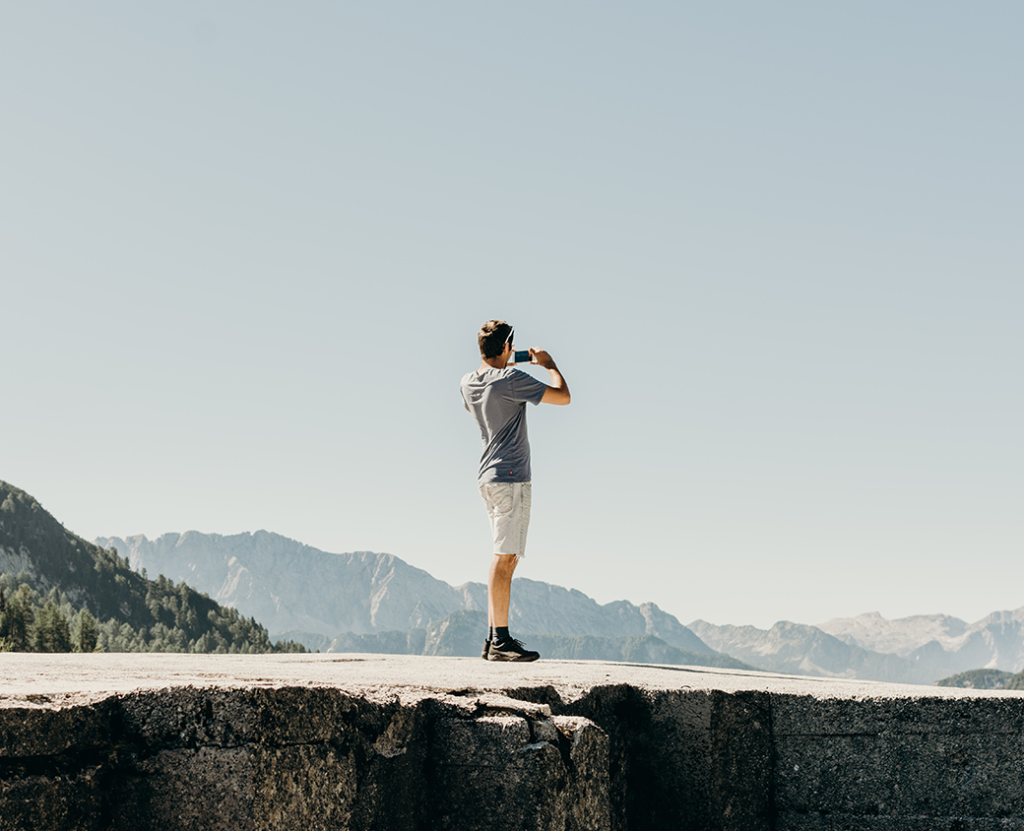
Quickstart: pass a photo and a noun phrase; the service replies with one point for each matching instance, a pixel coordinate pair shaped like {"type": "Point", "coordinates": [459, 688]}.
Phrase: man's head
{"type": "Point", "coordinates": [494, 336]}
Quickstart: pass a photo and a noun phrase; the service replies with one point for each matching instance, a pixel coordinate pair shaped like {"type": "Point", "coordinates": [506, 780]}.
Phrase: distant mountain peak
{"type": "Point", "coordinates": [290, 586]}
{"type": "Point", "coordinates": [916, 649]}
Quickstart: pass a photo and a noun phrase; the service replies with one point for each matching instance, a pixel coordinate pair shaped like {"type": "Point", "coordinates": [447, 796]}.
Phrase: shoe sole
{"type": "Point", "coordinates": [523, 659]}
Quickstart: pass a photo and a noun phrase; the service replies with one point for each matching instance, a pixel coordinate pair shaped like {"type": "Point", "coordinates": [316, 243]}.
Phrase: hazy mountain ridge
{"type": "Point", "coordinates": [800, 649]}
{"type": "Point", "coordinates": [900, 636]}
{"type": "Point", "coordinates": [920, 649]}
{"type": "Point", "coordinates": [994, 642]}
{"type": "Point", "coordinates": [294, 588]}
{"type": "Point", "coordinates": [320, 597]}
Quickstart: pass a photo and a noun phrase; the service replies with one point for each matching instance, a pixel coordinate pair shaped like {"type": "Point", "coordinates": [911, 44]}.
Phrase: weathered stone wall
{"type": "Point", "coordinates": [300, 759]}
{"type": "Point", "coordinates": [612, 756]}
{"type": "Point", "coordinates": [920, 765]}
{"type": "Point", "coordinates": [756, 761]}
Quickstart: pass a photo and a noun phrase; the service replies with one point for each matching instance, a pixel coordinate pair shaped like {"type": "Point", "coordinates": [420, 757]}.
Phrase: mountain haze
{"type": "Point", "coordinates": [919, 650]}
{"type": "Point", "coordinates": [291, 586]}
{"type": "Point", "coordinates": [295, 588]}
{"type": "Point", "coordinates": [799, 649]}
{"type": "Point", "coordinates": [994, 642]}
{"type": "Point", "coordinates": [331, 601]}
{"type": "Point", "coordinates": [366, 600]}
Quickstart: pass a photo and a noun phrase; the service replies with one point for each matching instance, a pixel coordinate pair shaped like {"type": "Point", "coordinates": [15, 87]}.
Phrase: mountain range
{"type": "Point", "coordinates": [366, 601]}
{"type": "Point", "coordinates": [994, 642]}
{"type": "Point", "coordinates": [920, 649]}
{"type": "Point", "coordinates": [59, 593]}
{"type": "Point", "coordinates": [300, 591]}
{"type": "Point", "coordinates": [363, 600]}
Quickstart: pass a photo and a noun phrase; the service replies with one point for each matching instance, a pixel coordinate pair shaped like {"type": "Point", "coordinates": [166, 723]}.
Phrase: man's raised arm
{"type": "Point", "coordinates": [558, 392]}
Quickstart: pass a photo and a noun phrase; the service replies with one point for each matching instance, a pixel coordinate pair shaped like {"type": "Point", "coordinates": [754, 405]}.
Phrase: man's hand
{"type": "Point", "coordinates": [558, 392]}
{"type": "Point", "coordinates": [542, 358]}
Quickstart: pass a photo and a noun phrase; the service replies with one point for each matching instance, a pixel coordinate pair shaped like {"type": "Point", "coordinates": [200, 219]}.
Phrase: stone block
{"type": "Point", "coordinates": [186, 789]}
{"type": "Point", "coordinates": [900, 758]}
{"type": "Point", "coordinates": [305, 787]}
{"type": "Point", "coordinates": [714, 752]}
{"type": "Point", "coordinates": [52, 801]}
{"type": "Point", "coordinates": [686, 759]}
{"type": "Point", "coordinates": [513, 773]}
{"type": "Point", "coordinates": [584, 748]}
{"type": "Point", "coordinates": [188, 716]}
{"type": "Point", "coordinates": [52, 730]}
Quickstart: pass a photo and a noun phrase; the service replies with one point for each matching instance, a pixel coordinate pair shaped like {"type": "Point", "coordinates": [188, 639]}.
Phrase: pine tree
{"type": "Point", "coordinates": [16, 620]}
{"type": "Point", "coordinates": [86, 633]}
{"type": "Point", "coordinates": [52, 632]}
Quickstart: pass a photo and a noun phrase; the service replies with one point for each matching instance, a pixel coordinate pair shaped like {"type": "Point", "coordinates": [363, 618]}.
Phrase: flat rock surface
{"type": "Point", "coordinates": [56, 680]}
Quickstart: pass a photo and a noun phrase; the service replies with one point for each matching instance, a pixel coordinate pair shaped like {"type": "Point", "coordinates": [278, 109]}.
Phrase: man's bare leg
{"type": "Point", "coordinates": [499, 585]}
{"type": "Point", "coordinates": [499, 588]}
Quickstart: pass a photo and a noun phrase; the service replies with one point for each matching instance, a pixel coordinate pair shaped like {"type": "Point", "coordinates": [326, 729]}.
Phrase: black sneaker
{"type": "Point", "coordinates": [487, 647]}
{"type": "Point", "coordinates": [510, 650]}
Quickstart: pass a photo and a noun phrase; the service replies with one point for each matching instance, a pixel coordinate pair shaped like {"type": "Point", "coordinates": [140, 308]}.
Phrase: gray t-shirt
{"type": "Point", "coordinates": [497, 399]}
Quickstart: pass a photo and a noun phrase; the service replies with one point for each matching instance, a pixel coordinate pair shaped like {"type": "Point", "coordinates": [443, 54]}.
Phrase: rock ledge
{"type": "Point", "coordinates": [386, 742]}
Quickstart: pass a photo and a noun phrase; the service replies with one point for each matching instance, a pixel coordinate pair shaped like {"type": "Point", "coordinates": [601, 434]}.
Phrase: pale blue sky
{"type": "Point", "coordinates": [775, 248]}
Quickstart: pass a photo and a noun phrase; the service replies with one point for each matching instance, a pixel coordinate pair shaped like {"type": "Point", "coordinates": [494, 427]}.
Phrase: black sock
{"type": "Point", "coordinates": [499, 634]}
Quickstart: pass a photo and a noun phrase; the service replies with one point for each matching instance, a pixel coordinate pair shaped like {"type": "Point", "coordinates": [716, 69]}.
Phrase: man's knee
{"type": "Point", "coordinates": [505, 563]}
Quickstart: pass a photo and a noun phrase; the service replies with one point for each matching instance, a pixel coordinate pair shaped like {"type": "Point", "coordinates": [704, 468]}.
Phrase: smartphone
{"type": "Point", "coordinates": [521, 356]}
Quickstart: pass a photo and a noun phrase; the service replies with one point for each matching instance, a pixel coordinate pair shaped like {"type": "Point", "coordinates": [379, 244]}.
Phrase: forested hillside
{"type": "Point", "coordinates": [978, 679]}
{"type": "Point", "coordinates": [59, 593]}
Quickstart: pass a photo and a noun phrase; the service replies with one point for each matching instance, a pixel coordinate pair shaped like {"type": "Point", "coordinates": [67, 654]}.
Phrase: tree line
{"type": "Point", "coordinates": [182, 620]}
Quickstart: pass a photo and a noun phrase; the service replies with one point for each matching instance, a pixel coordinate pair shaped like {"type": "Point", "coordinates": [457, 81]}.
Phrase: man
{"type": "Point", "coordinates": [496, 395]}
